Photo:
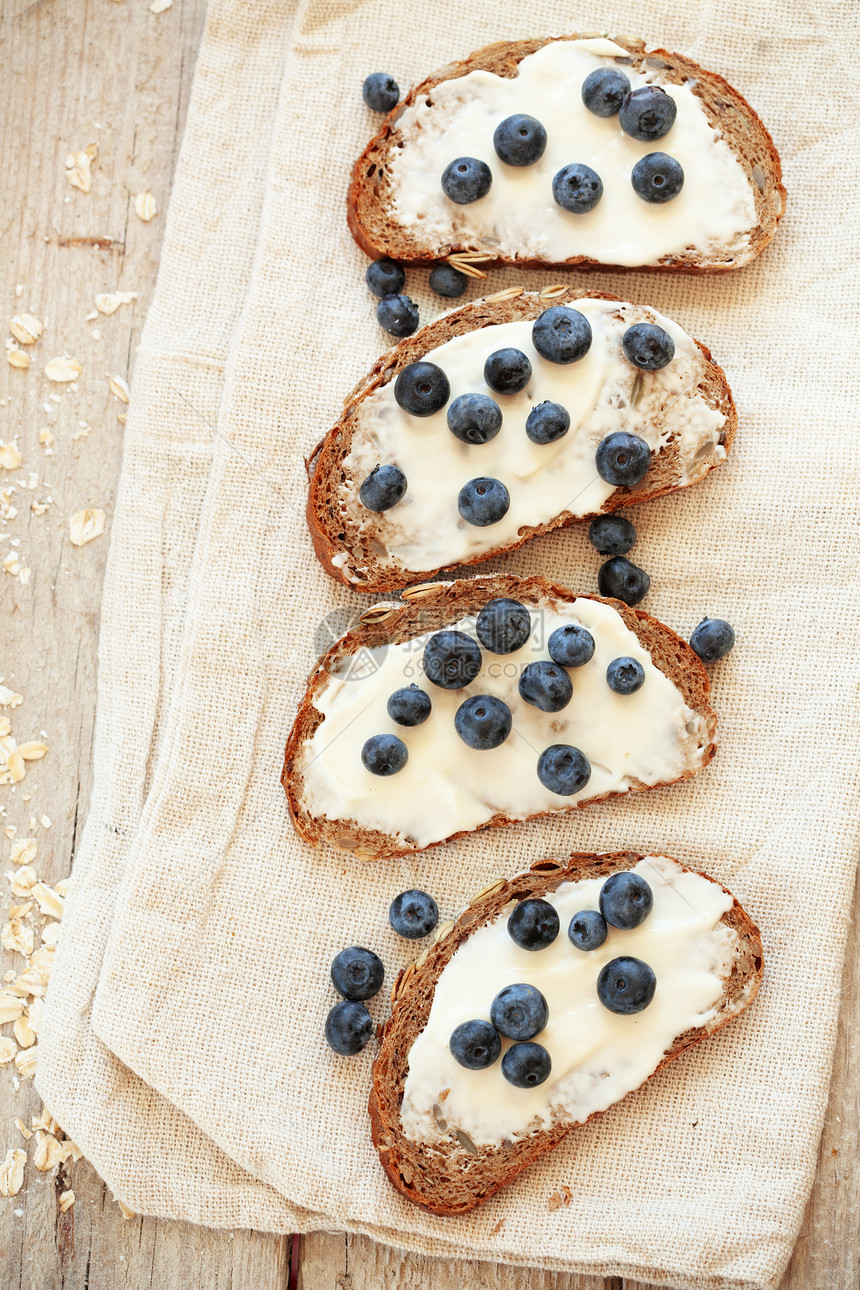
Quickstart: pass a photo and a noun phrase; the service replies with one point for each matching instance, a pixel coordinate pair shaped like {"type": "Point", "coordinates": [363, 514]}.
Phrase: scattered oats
{"type": "Point", "coordinates": [39, 508]}
{"type": "Point", "coordinates": [12, 565]}
{"type": "Point", "coordinates": [109, 303]}
{"type": "Point", "coordinates": [96, 333]}
{"type": "Point", "coordinates": [45, 437]}
{"type": "Point", "coordinates": [69, 1150]}
{"type": "Point", "coordinates": [45, 821]}
{"type": "Point", "coordinates": [23, 1032]}
{"type": "Point", "coordinates": [10, 456]}
{"type": "Point", "coordinates": [32, 481]}
{"type": "Point", "coordinates": [62, 887]}
{"type": "Point", "coordinates": [10, 829]}
{"type": "Point", "coordinates": [21, 911]}
{"type": "Point", "coordinates": [9, 699]}
{"type": "Point", "coordinates": [19, 290]}
{"type": "Point", "coordinates": [12, 1172]}
{"type": "Point", "coordinates": [22, 1129]}
{"type": "Point", "coordinates": [51, 935]}
{"type": "Point", "coordinates": [121, 418]}
{"type": "Point", "coordinates": [9, 976]}
{"type": "Point", "coordinates": [67, 1200]}
{"type": "Point", "coordinates": [26, 328]}
{"type": "Point", "coordinates": [31, 982]}
{"type": "Point", "coordinates": [24, 851]}
{"type": "Point", "coordinates": [48, 1152]}
{"type": "Point", "coordinates": [124, 1209]}
{"type": "Point", "coordinates": [79, 167]}
{"type": "Point", "coordinates": [33, 750]}
{"type": "Point", "coordinates": [11, 1008]}
{"type": "Point", "coordinates": [91, 317]}
{"type": "Point", "coordinates": [49, 902]}
{"type": "Point", "coordinates": [42, 962]}
{"type": "Point", "coordinates": [145, 206]}
{"type": "Point", "coordinates": [82, 432]}
{"type": "Point", "coordinates": [55, 398]}
{"type": "Point", "coordinates": [24, 575]}
{"type": "Point", "coordinates": [17, 938]}
{"type": "Point", "coordinates": [44, 1120]}
{"type": "Point", "coordinates": [35, 1013]}
{"type": "Point", "coordinates": [119, 387]}
{"type": "Point", "coordinates": [159, 6]}
{"type": "Point", "coordinates": [16, 357]}
{"type": "Point", "coordinates": [26, 1062]}
{"type": "Point", "coordinates": [62, 369]}
{"type": "Point", "coordinates": [22, 880]}
{"type": "Point", "coordinates": [8, 1049]}
{"type": "Point", "coordinates": [86, 525]}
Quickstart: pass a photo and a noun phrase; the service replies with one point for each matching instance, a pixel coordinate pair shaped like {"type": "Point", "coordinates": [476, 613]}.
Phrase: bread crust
{"type": "Point", "coordinates": [725, 109]}
{"type": "Point", "coordinates": [452, 1179]}
{"type": "Point", "coordinates": [436, 607]}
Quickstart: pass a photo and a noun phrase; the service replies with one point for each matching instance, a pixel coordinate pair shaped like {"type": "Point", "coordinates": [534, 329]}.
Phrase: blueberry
{"type": "Point", "coordinates": [483, 501]}
{"type": "Point", "coordinates": [563, 769]}
{"type": "Point", "coordinates": [657, 177]}
{"type": "Point", "coordinates": [622, 459]}
{"type": "Point", "coordinates": [533, 924]}
{"type": "Point", "coordinates": [475, 1045]}
{"type": "Point", "coordinates": [626, 900]}
{"type": "Point", "coordinates": [571, 645]}
{"type": "Point", "coordinates": [561, 334]}
{"type": "Point", "coordinates": [626, 985]}
{"type": "Point", "coordinates": [526, 1065]}
{"type": "Point", "coordinates": [503, 626]}
{"type": "Point", "coordinates": [483, 722]}
{"type": "Point", "coordinates": [398, 315]}
{"type": "Point", "coordinates": [625, 675]}
{"type": "Point", "coordinates": [451, 659]}
{"type": "Point", "coordinates": [384, 754]}
{"type": "Point", "coordinates": [648, 346]}
{"type": "Point", "coordinates": [611, 535]}
{"type": "Point", "coordinates": [519, 140]}
{"type": "Point", "coordinates": [507, 371]}
{"type": "Point", "coordinates": [712, 639]}
{"type": "Point", "coordinates": [587, 930]}
{"type": "Point", "coordinates": [623, 579]}
{"type": "Point", "coordinates": [547, 422]}
{"type": "Point", "coordinates": [577, 188]}
{"type": "Point", "coordinates": [413, 914]}
{"type": "Point", "coordinates": [409, 706]}
{"type": "Point", "coordinates": [546, 686]}
{"type": "Point", "coordinates": [647, 113]}
{"type": "Point", "coordinates": [474, 418]}
{"type": "Point", "coordinates": [380, 92]}
{"type": "Point", "coordinates": [348, 1027]}
{"type": "Point", "coordinates": [421, 389]}
{"type": "Point", "coordinates": [603, 90]}
{"type": "Point", "coordinates": [445, 280]}
{"type": "Point", "coordinates": [384, 277]}
{"type": "Point", "coordinates": [383, 488]}
{"type": "Point", "coordinates": [357, 973]}
{"type": "Point", "coordinates": [466, 180]}
{"type": "Point", "coordinates": [519, 1012]}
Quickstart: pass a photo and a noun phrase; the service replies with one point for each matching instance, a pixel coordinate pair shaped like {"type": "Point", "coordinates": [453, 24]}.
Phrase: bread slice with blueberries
{"type": "Point", "coordinates": [505, 420]}
{"type": "Point", "coordinates": [554, 995]}
{"type": "Point", "coordinates": [570, 151]}
{"type": "Point", "coordinates": [483, 702]}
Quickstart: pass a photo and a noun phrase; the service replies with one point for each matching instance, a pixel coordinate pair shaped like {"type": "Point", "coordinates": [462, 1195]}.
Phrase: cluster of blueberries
{"type": "Point", "coordinates": [397, 313]}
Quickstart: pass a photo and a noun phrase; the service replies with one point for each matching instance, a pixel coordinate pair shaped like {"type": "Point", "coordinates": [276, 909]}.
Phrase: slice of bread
{"type": "Point", "coordinates": [316, 768]}
{"type": "Point", "coordinates": [451, 1175]}
{"type": "Point", "coordinates": [373, 194]}
{"type": "Point", "coordinates": [373, 551]}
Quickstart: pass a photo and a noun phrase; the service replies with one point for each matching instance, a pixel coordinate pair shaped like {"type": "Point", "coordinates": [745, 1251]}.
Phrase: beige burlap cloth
{"type": "Point", "coordinates": [200, 930]}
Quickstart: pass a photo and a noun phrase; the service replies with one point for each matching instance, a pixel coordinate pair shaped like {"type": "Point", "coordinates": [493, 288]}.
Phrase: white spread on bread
{"type": "Point", "coordinates": [597, 1056]}
{"type": "Point", "coordinates": [602, 392]}
{"type": "Point", "coordinates": [651, 736]}
{"type": "Point", "coordinates": [518, 218]}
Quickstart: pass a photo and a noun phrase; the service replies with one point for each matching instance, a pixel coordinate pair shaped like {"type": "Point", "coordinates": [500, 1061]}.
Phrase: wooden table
{"type": "Point", "coordinates": [75, 72]}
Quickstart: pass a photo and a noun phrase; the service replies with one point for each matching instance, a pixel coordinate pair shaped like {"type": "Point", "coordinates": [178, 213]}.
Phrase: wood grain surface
{"type": "Point", "coordinates": [111, 72]}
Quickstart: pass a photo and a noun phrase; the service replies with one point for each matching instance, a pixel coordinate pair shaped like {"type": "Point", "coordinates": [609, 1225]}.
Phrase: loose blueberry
{"type": "Point", "coordinates": [483, 722]}
{"type": "Point", "coordinates": [466, 180]}
{"type": "Point", "coordinates": [475, 1045]}
{"type": "Point", "coordinates": [622, 459]}
{"type": "Point", "coordinates": [357, 973]}
{"type": "Point", "coordinates": [447, 281]}
{"type": "Point", "coordinates": [384, 755]}
{"type": "Point", "coordinates": [577, 188]}
{"type": "Point", "coordinates": [547, 422]}
{"type": "Point", "coordinates": [623, 580]}
{"type": "Point", "coordinates": [383, 488]}
{"type": "Point", "coordinates": [571, 645]}
{"type": "Point", "coordinates": [526, 1065]}
{"type": "Point", "coordinates": [507, 371]}
{"type": "Point", "coordinates": [380, 92]}
{"type": "Point", "coordinates": [421, 389]}
{"type": "Point", "coordinates": [413, 914]}
{"type": "Point", "coordinates": [626, 985]}
{"type": "Point", "coordinates": [519, 1012]}
{"type": "Point", "coordinates": [533, 924]}
{"type": "Point", "coordinates": [503, 626]}
{"type": "Point", "coordinates": [483, 501]}
{"type": "Point", "coordinates": [657, 178]}
{"type": "Point", "coordinates": [712, 639]}
{"type": "Point", "coordinates": [648, 346]}
{"type": "Point", "coordinates": [625, 675]}
{"type": "Point", "coordinates": [587, 930]}
{"type": "Point", "coordinates": [452, 660]}
{"type": "Point", "coordinates": [398, 315]}
{"type": "Point", "coordinates": [546, 686]}
{"type": "Point", "coordinates": [626, 900]}
{"type": "Point", "coordinates": [519, 140]}
{"type": "Point", "coordinates": [409, 706]}
{"type": "Point", "coordinates": [474, 418]}
{"type": "Point", "coordinates": [611, 534]}
{"type": "Point", "coordinates": [561, 334]}
{"type": "Point", "coordinates": [347, 1028]}
{"type": "Point", "coordinates": [384, 277]}
{"type": "Point", "coordinates": [603, 91]}
{"type": "Point", "coordinates": [647, 113]}
{"type": "Point", "coordinates": [563, 769]}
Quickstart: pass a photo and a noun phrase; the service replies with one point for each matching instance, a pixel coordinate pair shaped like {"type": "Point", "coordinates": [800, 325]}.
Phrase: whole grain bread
{"type": "Point", "coordinates": [368, 200]}
{"type": "Point", "coordinates": [428, 608]}
{"type": "Point", "coordinates": [455, 1176]}
{"type": "Point", "coordinates": [345, 534]}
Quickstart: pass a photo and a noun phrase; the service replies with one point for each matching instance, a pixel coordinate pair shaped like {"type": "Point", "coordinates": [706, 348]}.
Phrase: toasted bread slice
{"type": "Point", "coordinates": [396, 207]}
{"type": "Point", "coordinates": [662, 734]}
{"type": "Point", "coordinates": [448, 1173]}
{"type": "Point", "coordinates": [685, 411]}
